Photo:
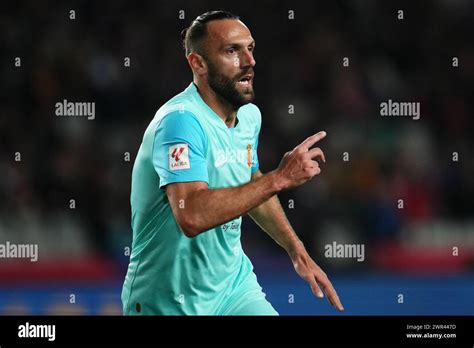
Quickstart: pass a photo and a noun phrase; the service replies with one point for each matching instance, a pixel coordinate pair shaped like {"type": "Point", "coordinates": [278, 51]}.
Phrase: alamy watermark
{"type": "Point", "coordinates": [346, 251]}
{"type": "Point", "coordinates": [395, 108]}
{"type": "Point", "coordinates": [19, 251]}
{"type": "Point", "coordinates": [28, 330]}
{"type": "Point", "coordinates": [66, 108]}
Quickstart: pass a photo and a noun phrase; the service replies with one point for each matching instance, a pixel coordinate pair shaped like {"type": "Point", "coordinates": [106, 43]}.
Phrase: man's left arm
{"type": "Point", "coordinates": [271, 217]}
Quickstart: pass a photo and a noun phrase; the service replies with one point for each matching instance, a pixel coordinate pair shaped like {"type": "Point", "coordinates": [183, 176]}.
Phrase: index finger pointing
{"type": "Point", "coordinates": [310, 141]}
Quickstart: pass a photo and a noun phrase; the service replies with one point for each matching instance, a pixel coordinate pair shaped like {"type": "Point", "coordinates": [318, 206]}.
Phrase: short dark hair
{"type": "Point", "coordinates": [194, 34]}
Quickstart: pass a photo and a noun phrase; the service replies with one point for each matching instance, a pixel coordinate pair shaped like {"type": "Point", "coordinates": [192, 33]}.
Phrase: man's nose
{"type": "Point", "coordinates": [247, 59]}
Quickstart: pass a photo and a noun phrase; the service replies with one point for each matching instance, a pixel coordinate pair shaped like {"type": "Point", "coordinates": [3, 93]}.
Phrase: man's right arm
{"type": "Point", "coordinates": [198, 208]}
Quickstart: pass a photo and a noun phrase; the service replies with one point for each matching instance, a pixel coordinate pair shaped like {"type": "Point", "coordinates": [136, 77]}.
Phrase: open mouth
{"type": "Point", "coordinates": [246, 80]}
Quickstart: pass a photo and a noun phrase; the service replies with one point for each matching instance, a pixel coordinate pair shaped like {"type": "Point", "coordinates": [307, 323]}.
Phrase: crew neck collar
{"type": "Point", "coordinates": [194, 90]}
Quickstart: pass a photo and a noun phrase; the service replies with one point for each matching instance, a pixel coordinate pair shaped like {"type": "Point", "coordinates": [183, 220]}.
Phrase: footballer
{"type": "Point", "coordinates": [196, 173]}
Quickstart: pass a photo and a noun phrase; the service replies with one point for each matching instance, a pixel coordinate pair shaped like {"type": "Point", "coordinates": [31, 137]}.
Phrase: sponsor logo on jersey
{"type": "Point", "coordinates": [228, 155]}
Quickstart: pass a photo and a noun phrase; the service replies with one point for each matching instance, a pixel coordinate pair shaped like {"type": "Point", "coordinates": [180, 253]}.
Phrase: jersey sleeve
{"type": "Point", "coordinates": [179, 149]}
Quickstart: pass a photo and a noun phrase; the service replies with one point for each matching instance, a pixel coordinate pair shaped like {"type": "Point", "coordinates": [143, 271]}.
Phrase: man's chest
{"type": "Point", "coordinates": [230, 155]}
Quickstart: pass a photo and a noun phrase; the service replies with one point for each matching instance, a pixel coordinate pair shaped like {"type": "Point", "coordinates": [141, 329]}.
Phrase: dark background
{"type": "Point", "coordinates": [83, 251]}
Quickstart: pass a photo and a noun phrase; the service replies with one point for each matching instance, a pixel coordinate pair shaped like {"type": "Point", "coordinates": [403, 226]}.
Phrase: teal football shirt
{"type": "Point", "coordinates": [172, 274]}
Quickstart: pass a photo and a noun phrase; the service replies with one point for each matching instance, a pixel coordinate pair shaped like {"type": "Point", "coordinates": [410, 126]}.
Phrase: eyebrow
{"type": "Point", "coordinates": [238, 45]}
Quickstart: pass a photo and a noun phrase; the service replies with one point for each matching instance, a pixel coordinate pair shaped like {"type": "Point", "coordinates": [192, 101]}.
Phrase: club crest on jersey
{"type": "Point", "coordinates": [179, 157]}
{"type": "Point", "coordinates": [249, 155]}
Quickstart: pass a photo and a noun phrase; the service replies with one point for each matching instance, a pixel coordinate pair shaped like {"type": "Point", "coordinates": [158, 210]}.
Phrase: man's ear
{"type": "Point", "coordinates": [197, 63]}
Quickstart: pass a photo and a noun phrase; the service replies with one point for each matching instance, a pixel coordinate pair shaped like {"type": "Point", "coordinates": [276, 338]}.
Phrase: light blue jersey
{"type": "Point", "coordinates": [170, 273]}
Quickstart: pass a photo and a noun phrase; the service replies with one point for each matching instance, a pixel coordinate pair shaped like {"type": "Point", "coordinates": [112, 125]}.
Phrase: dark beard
{"type": "Point", "coordinates": [226, 88]}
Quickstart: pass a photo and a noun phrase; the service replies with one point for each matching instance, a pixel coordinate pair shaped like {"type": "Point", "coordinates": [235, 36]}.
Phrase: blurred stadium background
{"type": "Point", "coordinates": [83, 251]}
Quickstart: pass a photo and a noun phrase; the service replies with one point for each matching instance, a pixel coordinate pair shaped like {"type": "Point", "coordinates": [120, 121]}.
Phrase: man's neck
{"type": "Point", "coordinates": [220, 106]}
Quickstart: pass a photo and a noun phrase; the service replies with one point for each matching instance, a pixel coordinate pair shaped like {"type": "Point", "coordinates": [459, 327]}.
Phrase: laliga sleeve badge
{"type": "Point", "coordinates": [179, 157]}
